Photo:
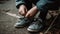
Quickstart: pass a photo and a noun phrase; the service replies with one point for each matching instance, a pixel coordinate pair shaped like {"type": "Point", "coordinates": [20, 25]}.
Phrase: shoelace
{"type": "Point", "coordinates": [23, 18]}
{"type": "Point", "coordinates": [26, 19]}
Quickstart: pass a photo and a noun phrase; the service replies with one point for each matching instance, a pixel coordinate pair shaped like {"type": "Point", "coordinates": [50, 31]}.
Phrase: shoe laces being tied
{"type": "Point", "coordinates": [26, 19]}
{"type": "Point", "coordinates": [23, 18]}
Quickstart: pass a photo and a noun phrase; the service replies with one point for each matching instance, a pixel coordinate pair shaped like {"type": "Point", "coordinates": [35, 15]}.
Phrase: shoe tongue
{"type": "Point", "coordinates": [38, 20]}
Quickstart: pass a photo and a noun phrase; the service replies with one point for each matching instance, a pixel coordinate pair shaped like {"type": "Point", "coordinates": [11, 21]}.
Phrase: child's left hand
{"type": "Point", "coordinates": [32, 12]}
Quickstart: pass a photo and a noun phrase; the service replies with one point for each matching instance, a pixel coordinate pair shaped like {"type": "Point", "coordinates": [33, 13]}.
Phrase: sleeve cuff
{"type": "Point", "coordinates": [19, 3]}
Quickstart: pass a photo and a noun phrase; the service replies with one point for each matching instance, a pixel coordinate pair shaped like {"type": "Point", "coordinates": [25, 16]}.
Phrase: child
{"type": "Point", "coordinates": [26, 9]}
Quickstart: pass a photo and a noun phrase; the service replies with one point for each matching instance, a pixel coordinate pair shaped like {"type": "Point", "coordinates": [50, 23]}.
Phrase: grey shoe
{"type": "Point", "coordinates": [36, 26]}
{"type": "Point", "coordinates": [23, 22]}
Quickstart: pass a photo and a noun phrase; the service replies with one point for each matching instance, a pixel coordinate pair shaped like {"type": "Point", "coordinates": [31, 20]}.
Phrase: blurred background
{"type": "Point", "coordinates": [9, 16]}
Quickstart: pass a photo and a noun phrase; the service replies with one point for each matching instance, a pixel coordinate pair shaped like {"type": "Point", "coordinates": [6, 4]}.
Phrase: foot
{"type": "Point", "coordinates": [36, 26]}
{"type": "Point", "coordinates": [23, 22]}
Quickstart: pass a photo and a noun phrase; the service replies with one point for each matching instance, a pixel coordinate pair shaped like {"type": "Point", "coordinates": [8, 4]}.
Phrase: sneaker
{"type": "Point", "coordinates": [36, 26]}
{"type": "Point", "coordinates": [23, 22]}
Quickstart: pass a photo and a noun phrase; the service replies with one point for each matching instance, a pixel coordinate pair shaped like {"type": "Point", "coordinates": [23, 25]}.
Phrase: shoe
{"type": "Point", "coordinates": [36, 26]}
{"type": "Point", "coordinates": [23, 22]}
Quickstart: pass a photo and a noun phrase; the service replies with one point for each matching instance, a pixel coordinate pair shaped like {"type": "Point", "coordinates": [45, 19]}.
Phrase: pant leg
{"type": "Point", "coordinates": [48, 6]}
{"type": "Point", "coordinates": [43, 13]}
{"type": "Point", "coordinates": [28, 4]}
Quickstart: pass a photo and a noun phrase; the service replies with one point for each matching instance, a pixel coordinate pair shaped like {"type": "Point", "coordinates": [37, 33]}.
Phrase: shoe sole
{"type": "Point", "coordinates": [32, 30]}
{"type": "Point", "coordinates": [18, 26]}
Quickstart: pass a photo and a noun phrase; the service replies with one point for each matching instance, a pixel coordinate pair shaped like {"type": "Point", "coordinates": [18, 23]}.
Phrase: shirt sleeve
{"type": "Point", "coordinates": [19, 2]}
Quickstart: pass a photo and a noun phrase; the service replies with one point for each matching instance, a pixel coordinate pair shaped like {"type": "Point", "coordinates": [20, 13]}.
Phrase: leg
{"type": "Point", "coordinates": [37, 24]}
{"type": "Point", "coordinates": [28, 5]}
{"type": "Point", "coordinates": [43, 14]}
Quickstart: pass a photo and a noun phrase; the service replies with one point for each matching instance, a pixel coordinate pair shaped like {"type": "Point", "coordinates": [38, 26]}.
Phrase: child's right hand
{"type": "Point", "coordinates": [22, 10]}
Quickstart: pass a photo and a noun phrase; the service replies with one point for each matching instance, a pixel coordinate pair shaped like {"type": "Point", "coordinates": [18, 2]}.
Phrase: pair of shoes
{"type": "Point", "coordinates": [34, 27]}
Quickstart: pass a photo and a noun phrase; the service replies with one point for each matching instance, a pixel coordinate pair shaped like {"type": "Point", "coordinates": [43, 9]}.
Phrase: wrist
{"type": "Point", "coordinates": [34, 9]}
{"type": "Point", "coordinates": [21, 6]}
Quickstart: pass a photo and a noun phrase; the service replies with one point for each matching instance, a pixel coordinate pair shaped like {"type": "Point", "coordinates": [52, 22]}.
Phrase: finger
{"type": "Point", "coordinates": [20, 11]}
{"type": "Point", "coordinates": [27, 15]}
{"type": "Point", "coordinates": [23, 11]}
{"type": "Point", "coordinates": [26, 10]}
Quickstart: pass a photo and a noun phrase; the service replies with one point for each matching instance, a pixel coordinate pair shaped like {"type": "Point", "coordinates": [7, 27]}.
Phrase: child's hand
{"type": "Point", "coordinates": [22, 10]}
{"type": "Point", "coordinates": [32, 12]}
